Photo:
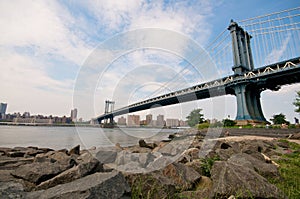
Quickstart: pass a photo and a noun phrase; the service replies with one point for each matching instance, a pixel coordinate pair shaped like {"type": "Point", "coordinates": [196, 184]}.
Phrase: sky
{"type": "Point", "coordinates": [60, 55]}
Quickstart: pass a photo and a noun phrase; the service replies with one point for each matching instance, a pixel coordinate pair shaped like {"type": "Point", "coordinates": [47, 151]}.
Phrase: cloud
{"type": "Point", "coordinates": [40, 24]}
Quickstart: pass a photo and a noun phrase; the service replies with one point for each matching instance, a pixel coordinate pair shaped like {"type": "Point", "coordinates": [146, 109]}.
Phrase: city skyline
{"type": "Point", "coordinates": [51, 41]}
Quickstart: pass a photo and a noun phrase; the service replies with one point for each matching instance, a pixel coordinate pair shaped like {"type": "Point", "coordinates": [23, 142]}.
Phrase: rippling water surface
{"type": "Point", "coordinates": [68, 137]}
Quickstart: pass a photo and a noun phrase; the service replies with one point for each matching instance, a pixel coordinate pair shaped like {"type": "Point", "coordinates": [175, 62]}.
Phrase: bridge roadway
{"type": "Point", "coordinates": [268, 77]}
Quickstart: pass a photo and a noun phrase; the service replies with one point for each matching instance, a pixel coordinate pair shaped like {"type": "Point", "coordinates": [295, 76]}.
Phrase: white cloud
{"type": "Point", "coordinates": [27, 87]}
{"type": "Point", "coordinates": [40, 24]}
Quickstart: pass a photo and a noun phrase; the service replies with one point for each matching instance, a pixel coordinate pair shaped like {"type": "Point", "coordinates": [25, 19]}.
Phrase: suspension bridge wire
{"type": "Point", "coordinates": [183, 71]}
{"type": "Point", "coordinates": [274, 13]}
{"type": "Point", "coordinates": [266, 36]}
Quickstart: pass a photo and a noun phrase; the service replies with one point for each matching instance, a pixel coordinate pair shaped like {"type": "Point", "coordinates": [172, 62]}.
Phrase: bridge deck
{"type": "Point", "coordinates": [268, 77]}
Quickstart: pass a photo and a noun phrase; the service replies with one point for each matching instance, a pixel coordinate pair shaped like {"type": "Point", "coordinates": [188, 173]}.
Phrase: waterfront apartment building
{"type": "Point", "coordinates": [172, 122]}
{"type": "Point", "coordinates": [122, 121]}
{"type": "Point", "coordinates": [133, 120]}
{"type": "Point", "coordinates": [160, 120]}
{"type": "Point", "coordinates": [149, 120]}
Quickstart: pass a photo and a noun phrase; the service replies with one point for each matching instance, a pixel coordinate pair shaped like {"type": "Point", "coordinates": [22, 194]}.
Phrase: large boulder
{"type": "Point", "coordinates": [87, 164]}
{"type": "Point", "coordinates": [260, 166]}
{"type": "Point", "coordinates": [38, 172]}
{"type": "Point", "coordinates": [98, 185]}
{"type": "Point", "coordinates": [164, 183]}
{"type": "Point", "coordinates": [234, 179]}
{"type": "Point", "coordinates": [106, 155]}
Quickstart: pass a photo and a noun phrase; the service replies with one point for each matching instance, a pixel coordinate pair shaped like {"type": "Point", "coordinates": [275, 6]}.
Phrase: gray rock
{"type": "Point", "coordinates": [11, 190]}
{"type": "Point", "coordinates": [233, 179]}
{"type": "Point", "coordinates": [97, 185]}
{"type": "Point", "coordinates": [106, 155]}
{"type": "Point", "coordinates": [164, 183]}
{"type": "Point", "coordinates": [87, 165]}
{"type": "Point", "coordinates": [13, 163]}
{"type": "Point", "coordinates": [38, 172]}
{"type": "Point", "coordinates": [261, 167]}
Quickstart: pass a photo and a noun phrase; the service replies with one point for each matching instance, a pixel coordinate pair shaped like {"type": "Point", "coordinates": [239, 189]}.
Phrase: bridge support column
{"type": "Point", "coordinates": [248, 105]}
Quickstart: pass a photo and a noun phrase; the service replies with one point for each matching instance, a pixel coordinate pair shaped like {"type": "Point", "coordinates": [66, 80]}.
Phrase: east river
{"type": "Point", "coordinates": [86, 137]}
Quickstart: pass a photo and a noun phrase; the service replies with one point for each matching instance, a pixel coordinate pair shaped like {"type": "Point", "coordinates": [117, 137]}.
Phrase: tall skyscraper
{"type": "Point", "coordinates": [3, 107]}
{"type": "Point", "coordinates": [74, 115]}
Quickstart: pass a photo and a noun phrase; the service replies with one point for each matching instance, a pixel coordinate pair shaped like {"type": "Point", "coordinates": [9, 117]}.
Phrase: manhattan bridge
{"type": "Point", "coordinates": [263, 53]}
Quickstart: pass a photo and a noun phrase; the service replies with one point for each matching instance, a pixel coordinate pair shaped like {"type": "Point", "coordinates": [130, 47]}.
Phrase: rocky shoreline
{"type": "Point", "coordinates": [189, 165]}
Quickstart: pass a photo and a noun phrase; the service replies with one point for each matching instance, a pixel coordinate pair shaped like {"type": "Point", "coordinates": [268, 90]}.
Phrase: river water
{"type": "Point", "coordinates": [68, 137]}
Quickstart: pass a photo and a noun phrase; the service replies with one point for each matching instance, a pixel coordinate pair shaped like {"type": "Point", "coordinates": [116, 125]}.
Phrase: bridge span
{"type": "Point", "coordinates": [246, 83]}
{"type": "Point", "coordinates": [268, 77]}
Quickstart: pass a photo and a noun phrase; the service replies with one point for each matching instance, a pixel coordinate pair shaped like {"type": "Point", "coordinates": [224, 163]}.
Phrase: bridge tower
{"type": "Point", "coordinates": [247, 94]}
{"type": "Point", "coordinates": [109, 108]}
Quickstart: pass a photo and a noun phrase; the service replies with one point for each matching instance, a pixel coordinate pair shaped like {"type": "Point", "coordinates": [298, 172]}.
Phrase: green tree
{"type": "Point", "coordinates": [297, 102]}
{"type": "Point", "coordinates": [228, 123]}
{"type": "Point", "coordinates": [195, 117]}
{"type": "Point", "coordinates": [279, 119]}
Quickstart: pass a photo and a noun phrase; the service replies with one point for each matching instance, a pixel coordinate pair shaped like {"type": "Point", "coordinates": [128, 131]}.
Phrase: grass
{"type": "Point", "coordinates": [290, 172]}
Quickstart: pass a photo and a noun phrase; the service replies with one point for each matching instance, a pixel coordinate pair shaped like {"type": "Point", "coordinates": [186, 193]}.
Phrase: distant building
{"type": "Point", "coordinates": [172, 122]}
{"type": "Point", "coordinates": [74, 115]}
{"type": "Point", "coordinates": [122, 121]}
{"type": "Point", "coordinates": [149, 119]}
{"type": "Point", "coordinates": [3, 107]}
{"type": "Point", "coordinates": [183, 123]}
{"type": "Point", "coordinates": [133, 120]}
{"type": "Point", "coordinates": [160, 120]}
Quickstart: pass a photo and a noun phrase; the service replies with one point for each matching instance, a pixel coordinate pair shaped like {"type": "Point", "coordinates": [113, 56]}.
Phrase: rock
{"type": "Point", "coordinates": [5, 150]}
{"type": "Point", "coordinates": [87, 165]}
{"type": "Point", "coordinates": [233, 179]}
{"type": "Point", "coordinates": [165, 182]}
{"type": "Point", "coordinates": [203, 189]}
{"type": "Point", "coordinates": [133, 162]}
{"type": "Point", "coordinates": [296, 136]}
{"type": "Point", "coordinates": [38, 172]}
{"type": "Point", "coordinates": [106, 155]}
{"type": "Point", "coordinates": [137, 149]}
{"type": "Point", "coordinates": [284, 145]}
{"type": "Point", "coordinates": [97, 185]}
{"type": "Point", "coordinates": [53, 156]}
{"type": "Point", "coordinates": [46, 150]}
{"type": "Point", "coordinates": [196, 165]}
{"type": "Point", "coordinates": [11, 190]}
{"type": "Point", "coordinates": [182, 176]}
{"type": "Point", "coordinates": [151, 186]}
{"type": "Point", "coordinates": [142, 143]}
{"type": "Point", "coordinates": [118, 146]}
{"type": "Point", "coordinates": [253, 146]}
{"type": "Point", "coordinates": [14, 154]}
{"type": "Point", "coordinates": [225, 146]}
{"type": "Point", "coordinates": [193, 153]}
{"type": "Point", "coordinates": [64, 151]}
{"type": "Point", "coordinates": [258, 165]}
{"type": "Point", "coordinates": [13, 163]}
{"type": "Point", "coordinates": [75, 150]}
{"type": "Point", "coordinates": [33, 152]}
